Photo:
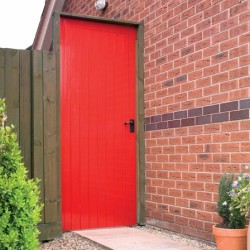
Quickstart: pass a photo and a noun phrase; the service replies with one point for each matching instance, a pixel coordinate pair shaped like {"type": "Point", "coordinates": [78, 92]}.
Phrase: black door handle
{"type": "Point", "coordinates": [131, 124]}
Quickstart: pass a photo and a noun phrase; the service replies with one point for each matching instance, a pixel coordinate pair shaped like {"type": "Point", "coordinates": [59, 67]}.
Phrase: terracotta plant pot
{"type": "Point", "coordinates": [248, 236]}
{"type": "Point", "coordinates": [230, 239]}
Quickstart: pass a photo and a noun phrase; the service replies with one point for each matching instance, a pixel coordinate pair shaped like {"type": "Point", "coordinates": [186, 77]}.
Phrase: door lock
{"type": "Point", "coordinates": [131, 124]}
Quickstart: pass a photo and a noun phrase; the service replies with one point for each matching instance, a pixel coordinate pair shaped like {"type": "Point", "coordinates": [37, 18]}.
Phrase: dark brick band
{"type": "Point", "coordinates": [223, 112]}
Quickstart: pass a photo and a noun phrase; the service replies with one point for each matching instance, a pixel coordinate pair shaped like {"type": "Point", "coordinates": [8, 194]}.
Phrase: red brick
{"type": "Point", "coordinates": [175, 158]}
{"type": "Point", "coordinates": [188, 158]}
{"type": "Point", "coordinates": [204, 196]}
{"type": "Point", "coordinates": [180, 132]}
{"type": "Point", "coordinates": [213, 50]}
{"type": "Point", "coordinates": [196, 224]}
{"type": "Point", "coordinates": [187, 104]}
{"type": "Point", "coordinates": [197, 186]}
{"type": "Point", "coordinates": [195, 19]}
{"type": "Point", "coordinates": [204, 139]}
{"type": "Point", "coordinates": [180, 26]}
{"type": "Point", "coordinates": [237, 73]}
{"type": "Point", "coordinates": [239, 8]}
{"type": "Point", "coordinates": [244, 82]}
{"type": "Point", "coordinates": [196, 37]}
{"type": "Point", "coordinates": [188, 68]}
{"type": "Point", "coordinates": [221, 158]}
{"type": "Point", "coordinates": [238, 94]}
{"type": "Point", "coordinates": [211, 187]}
{"type": "Point", "coordinates": [174, 192]}
{"type": "Point", "coordinates": [245, 16]}
{"type": "Point", "coordinates": [188, 176]}
{"type": "Point", "coordinates": [240, 158]}
{"type": "Point", "coordinates": [230, 168]}
{"type": "Point", "coordinates": [200, 83]}
{"type": "Point", "coordinates": [195, 75]}
{"type": "Point", "coordinates": [230, 126]}
{"type": "Point", "coordinates": [175, 175]}
{"type": "Point", "coordinates": [204, 216]}
{"type": "Point", "coordinates": [203, 25]}
{"type": "Point", "coordinates": [195, 94]}
{"type": "Point", "coordinates": [188, 13]}
{"type": "Point", "coordinates": [199, 205]}
{"type": "Point", "coordinates": [168, 217]}
{"type": "Point", "coordinates": [245, 147]}
{"type": "Point", "coordinates": [196, 167]}
{"type": "Point", "coordinates": [244, 60]}
{"type": "Point", "coordinates": [161, 191]}
{"type": "Point", "coordinates": [203, 101]}
{"type": "Point", "coordinates": [230, 147]}
{"type": "Point", "coordinates": [229, 44]}
{"type": "Point", "coordinates": [195, 148]}
{"type": "Point", "coordinates": [206, 177]}
{"type": "Point", "coordinates": [182, 184]}
{"type": "Point", "coordinates": [228, 85]}
{"type": "Point", "coordinates": [245, 125]}
{"type": "Point", "coordinates": [211, 31]}
{"type": "Point", "coordinates": [162, 158]}
{"type": "Point", "coordinates": [220, 98]}
{"type": "Point", "coordinates": [239, 51]}
{"type": "Point", "coordinates": [239, 136]}
{"type": "Point", "coordinates": [204, 5]}
{"type": "Point", "coordinates": [238, 30]}
{"type": "Point", "coordinates": [220, 17]}
{"type": "Point", "coordinates": [189, 194]}
{"type": "Point", "coordinates": [231, 64]}
{"type": "Point", "coordinates": [218, 38]}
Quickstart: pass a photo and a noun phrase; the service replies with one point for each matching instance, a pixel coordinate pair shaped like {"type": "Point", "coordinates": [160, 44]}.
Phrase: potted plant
{"type": "Point", "coordinates": [231, 233]}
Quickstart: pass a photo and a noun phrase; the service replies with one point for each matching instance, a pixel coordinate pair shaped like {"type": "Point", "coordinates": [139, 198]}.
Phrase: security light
{"type": "Point", "coordinates": [101, 4]}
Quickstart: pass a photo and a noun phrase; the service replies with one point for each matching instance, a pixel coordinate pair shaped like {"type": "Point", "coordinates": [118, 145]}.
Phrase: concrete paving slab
{"type": "Point", "coordinates": [127, 238]}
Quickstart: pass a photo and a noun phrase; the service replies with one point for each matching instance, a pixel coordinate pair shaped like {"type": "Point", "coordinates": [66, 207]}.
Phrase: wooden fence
{"type": "Point", "coordinates": [29, 80]}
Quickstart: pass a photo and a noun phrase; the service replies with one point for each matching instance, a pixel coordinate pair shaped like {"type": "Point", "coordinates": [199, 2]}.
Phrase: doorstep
{"type": "Point", "coordinates": [129, 238]}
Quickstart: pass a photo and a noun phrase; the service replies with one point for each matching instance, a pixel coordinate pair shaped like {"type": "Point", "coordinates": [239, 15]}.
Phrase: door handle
{"type": "Point", "coordinates": [131, 124]}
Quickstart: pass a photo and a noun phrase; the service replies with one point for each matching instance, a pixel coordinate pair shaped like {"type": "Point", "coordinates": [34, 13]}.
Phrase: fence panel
{"type": "Point", "coordinates": [29, 83]}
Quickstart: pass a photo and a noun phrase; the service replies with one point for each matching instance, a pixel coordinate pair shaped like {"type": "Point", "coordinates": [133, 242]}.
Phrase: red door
{"type": "Point", "coordinates": [98, 149]}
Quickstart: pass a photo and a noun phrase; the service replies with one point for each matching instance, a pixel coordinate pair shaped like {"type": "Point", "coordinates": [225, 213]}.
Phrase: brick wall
{"type": "Point", "coordinates": [196, 102]}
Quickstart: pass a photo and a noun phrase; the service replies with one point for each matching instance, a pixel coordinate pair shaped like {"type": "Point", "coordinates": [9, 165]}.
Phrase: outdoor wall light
{"type": "Point", "coordinates": [101, 4]}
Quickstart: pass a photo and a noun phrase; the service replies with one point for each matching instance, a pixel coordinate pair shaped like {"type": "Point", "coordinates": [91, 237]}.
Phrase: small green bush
{"type": "Point", "coordinates": [19, 196]}
{"type": "Point", "coordinates": [224, 198]}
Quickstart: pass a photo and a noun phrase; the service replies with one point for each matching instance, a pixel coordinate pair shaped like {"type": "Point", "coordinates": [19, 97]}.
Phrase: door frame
{"type": "Point", "coordinates": [139, 90]}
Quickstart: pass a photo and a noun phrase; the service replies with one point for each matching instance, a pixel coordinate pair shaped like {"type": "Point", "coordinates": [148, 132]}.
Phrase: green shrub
{"type": "Point", "coordinates": [224, 198]}
{"type": "Point", "coordinates": [19, 196]}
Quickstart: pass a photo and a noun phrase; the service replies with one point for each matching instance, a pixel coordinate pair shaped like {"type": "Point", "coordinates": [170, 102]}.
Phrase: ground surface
{"type": "Point", "coordinates": [72, 241]}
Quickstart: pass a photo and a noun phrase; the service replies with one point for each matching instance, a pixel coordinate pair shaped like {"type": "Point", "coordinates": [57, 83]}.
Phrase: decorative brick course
{"type": "Point", "coordinates": [237, 110]}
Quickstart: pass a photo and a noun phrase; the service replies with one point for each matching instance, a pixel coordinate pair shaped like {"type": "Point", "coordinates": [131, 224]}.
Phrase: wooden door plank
{"type": "Point", "coordinates": [37, 112]}
{"type": "Point", "coordinates": [12, 87]}
{"type": "Point", "coordinates": [50, 137]}
{"type": "Point", "coordinates": [2, 82]}
{"type": "Point", "coordinates": [25, 108]}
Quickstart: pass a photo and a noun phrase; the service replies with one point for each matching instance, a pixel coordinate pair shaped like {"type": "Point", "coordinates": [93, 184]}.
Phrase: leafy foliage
{"type": "Point", "coordinates": [241, 193]}
{"type": "Point", "coordinates": [231, 218]}
{"type": "Point", "coordinates": [19, 197]}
